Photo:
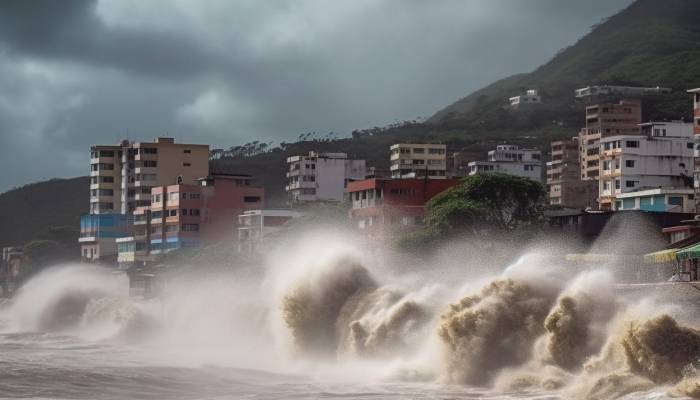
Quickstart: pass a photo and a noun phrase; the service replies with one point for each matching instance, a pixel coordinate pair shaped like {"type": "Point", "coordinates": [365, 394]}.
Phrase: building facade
{"type": "Point", "coordinates": [630, 163]}
{"type": "Point", "coordinates": [414, 160]}
{"type": "Point", "coordinates": [678, 200]}
{"type": "Point", "coordinates": [385, 206]}
{"type": "Point", "coordinates": [604, 120]}
{"type": "Point", "coordinates": [530, 97]}
{"type": "Point", "coordinates": [321, 176]}
{"type": "Point", "coordinates": [98, 234]}
{"type": "Point", "coordinates": [564, 183]}
{"type": "Point", "coordinates": [10, 265]}
{"type": "Point", "coordinates": [183, 216]}
{"type": "Point", "coordinates": [696, 131]}
{"type": "Point", "coordinates": [121, 179]}
{"type": "Point", "coordinates": [511, 160]}
{"type": "Point", "coordinates": [256, 226]}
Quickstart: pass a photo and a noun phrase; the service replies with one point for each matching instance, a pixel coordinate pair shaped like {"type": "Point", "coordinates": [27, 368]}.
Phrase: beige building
{"type": "Point", "coordinates": [418, 160]}
{"type": "Point", "coordinates": [121, 176]}
{"type": "Point", "coordinates": [604, 120]}
{"type": "Point", "coordinates": [564, 183]}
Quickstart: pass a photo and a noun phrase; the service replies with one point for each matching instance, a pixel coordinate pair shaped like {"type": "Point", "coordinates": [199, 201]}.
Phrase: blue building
{"type": "Point", "coordinates": [98, 235]}
{"type": "Point", "coordinates": [680, 200]}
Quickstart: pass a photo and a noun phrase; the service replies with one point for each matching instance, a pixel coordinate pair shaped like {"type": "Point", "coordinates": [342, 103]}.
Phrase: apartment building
{"type": "Point", "coordinates": [257, 226]}
{"type": "Point", "coordinates": [511, 160]}
{"type": "Point", "coordinates": [564, 183]}
{"type": "Point", "coordinates": [121, 176]}
{"type": "Point", "coordinates": [696, 131]}
{"type": "Point", "coordinates": [188, 215]}
{"type": "Point", "coordinates": [630, 163]}
{"type": "Point", "coordinates": [121, 179]}
{"type": "Point", "coordinates": [530, 97]}
{"type": "Point", "coordinates": [321, 176]}
{"type": "Point", "coordinates": [385, 206]}
{"type": "Point", "coordinates": [414, 160]}
{"type": "Point", "coordinates": [604, 120]}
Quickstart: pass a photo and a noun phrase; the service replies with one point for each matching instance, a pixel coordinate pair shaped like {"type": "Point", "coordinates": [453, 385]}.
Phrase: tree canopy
{"type": "Point", "coordinates": [485, 205]}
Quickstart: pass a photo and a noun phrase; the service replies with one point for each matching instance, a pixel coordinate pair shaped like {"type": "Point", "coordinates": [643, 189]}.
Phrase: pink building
{"type": "Point", "coordinates": [188, 215]}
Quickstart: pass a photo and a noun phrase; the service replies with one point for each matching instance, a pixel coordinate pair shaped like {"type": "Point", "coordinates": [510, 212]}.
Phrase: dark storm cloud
{"type": "Point", "coordinates": [77, 72]}
{"type": "Point", "coordinates": [71, 30]}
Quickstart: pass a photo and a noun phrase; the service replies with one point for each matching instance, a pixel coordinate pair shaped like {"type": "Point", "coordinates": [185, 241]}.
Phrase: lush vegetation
{"type": "Point", "coordinates": [490, 206]}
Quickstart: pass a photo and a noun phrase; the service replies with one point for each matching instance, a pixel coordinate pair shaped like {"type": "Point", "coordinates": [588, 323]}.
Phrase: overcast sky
{"type": "Point", "coordinates": [223, 72]}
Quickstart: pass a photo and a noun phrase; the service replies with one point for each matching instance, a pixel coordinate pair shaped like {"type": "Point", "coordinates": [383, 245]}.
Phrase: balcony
{"type": "Point", "coordinates": [142, 196]}
{"type": "Point", "coordinates": [146, 170]}
{"type": "Point", "coordinates": [143, 183]}
{"type": "Point", "coordinates": [295, 172]}
{"type": "Point", "coordinates": [300, 185]}
{"type": "Point", "coordinates": [102, 159]}
{"type": "Point", "coordinates": [145, 156]}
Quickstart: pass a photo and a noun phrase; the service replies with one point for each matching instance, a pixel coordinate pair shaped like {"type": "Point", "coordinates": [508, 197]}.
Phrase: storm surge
{"type": "Point", "coordinates": [534, 327]}
{"type": "Point", "coordinates": [339, 310]}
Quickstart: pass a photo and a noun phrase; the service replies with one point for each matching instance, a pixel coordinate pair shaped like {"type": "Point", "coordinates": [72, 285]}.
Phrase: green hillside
{"type": "Point", "coordinates": [651, 43]}
{"type": "Point", "coordinates": [29, 212]}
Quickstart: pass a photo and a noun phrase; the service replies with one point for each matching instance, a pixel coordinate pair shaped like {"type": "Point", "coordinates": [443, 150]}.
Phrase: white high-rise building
{"type": "Point", "coordinates": [661, 157]}
{"type": "Point", "coordinates": [511, 160]}
{"type": "Point", "coordinates": [321, 176]}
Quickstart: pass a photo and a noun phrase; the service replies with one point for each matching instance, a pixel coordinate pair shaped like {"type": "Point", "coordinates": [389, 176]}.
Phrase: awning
{"type": "Point", "coordinates": [589, 257]}
{"type": "Point", "coordinates": [689, 253]}
{"type": "Point", "coordinates": [661, 257]}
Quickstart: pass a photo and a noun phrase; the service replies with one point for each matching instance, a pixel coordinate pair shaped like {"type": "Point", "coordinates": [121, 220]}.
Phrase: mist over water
{"type": "Point", "coordinates": [325, 316]}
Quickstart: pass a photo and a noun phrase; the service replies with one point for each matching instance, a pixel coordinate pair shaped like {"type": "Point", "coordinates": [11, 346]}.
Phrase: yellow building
{"type": "Point", "coordinates": [418, 160]}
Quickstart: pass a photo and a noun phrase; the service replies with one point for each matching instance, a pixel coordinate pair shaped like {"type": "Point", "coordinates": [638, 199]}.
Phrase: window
{"type": "Point", "coordinates": [606, 165]}
{"type": "Point", "coordinates": [149, 150]}
{"type": "Point", "coordinates": [172, 196]}
{"type": "Point", "coordinates": [194, 211]}
{"type": "Point", "coordinates": [436, 151]}
{"type": "Point", "coordinates": [617, 184]}
{"type": "Point", "coordinates": [194, 195]}
{"type": "Point", "coordinates": [251, 199]}
{"type": "Point", "coordinates": [172, 213]}
{"type": "Point", "coordinates": [606, 185]}
{"type": "Point", "coordinates": [190, 227]}
{"type": "Point", "coordinates": [171, 228]}
{"type": "Point", "coordinates": [106, 153]}
{"type": "Point", "coordinates": [184, 195]}
{"type": "Point", "coordinates": [187, 151]}
{"type": "Point", "coordinates": [690, 145]}
{"type": "Point", "coordinates": [186, 164]}
{"type": "Point", "coordinates": [150, 164]}
{"type": "Point", "coordinates": [629, 184]}
{"type": "Point", "coordinates": [629, 163]}
{"type": "Point", "coordinates": [632, 143]}
{"type": "Point", "coordinates": [675, 201]}
{"type": "Point", "coordinates": [403, 192]}
{"type": "Point", "coordinates": [418, 150]}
